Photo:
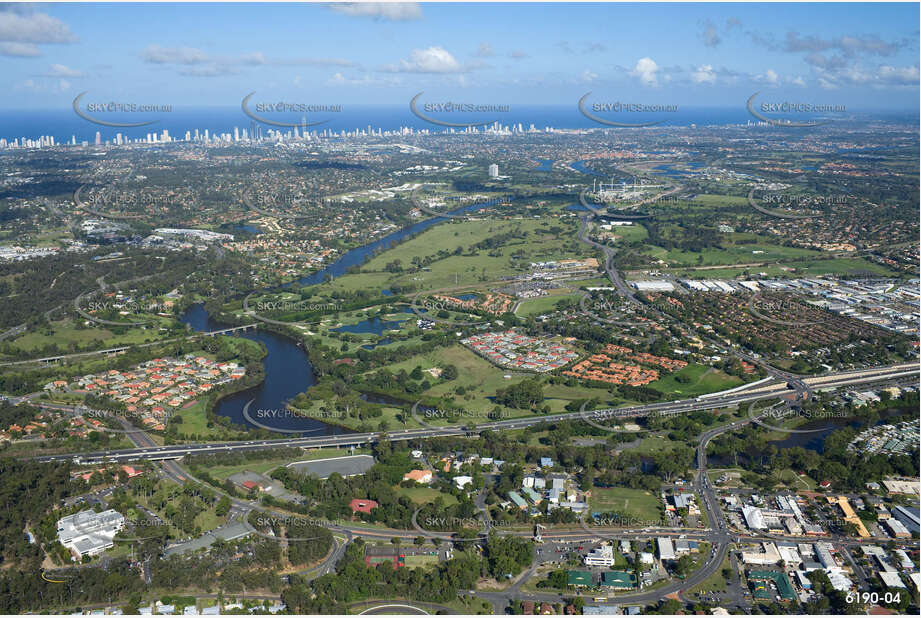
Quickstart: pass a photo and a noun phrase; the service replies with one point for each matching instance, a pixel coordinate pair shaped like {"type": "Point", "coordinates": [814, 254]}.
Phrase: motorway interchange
{"type": "Point", "coordinates": [758, 391]}
{"type": "Point", "coordinates": [718, 534]}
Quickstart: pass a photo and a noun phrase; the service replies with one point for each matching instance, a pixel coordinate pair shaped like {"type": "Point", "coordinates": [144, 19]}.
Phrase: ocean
{"type": "Point", "coordinates": [64, 123]}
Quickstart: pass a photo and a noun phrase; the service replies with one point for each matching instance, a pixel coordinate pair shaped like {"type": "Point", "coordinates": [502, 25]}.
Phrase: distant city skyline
{"type": "Point", "coordinates": [205, 55]}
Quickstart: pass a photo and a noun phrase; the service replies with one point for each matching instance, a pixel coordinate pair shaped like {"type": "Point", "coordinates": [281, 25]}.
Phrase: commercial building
{"type": "Point", "coordinates": [902, 486]}
{"type": "Point", "coordinates": [88, 533]}
{"type": "Point", "coordinates": [891, 579]}
{"type": "Point", "coordinates": [654, 286]}
{"type": "Point", "coordinates": [618, 579]}
{"type": "Point", "coordinates": [896, 529]}
{"type": "Point", "coordinates": [849, 515]}
{"type": "Point", "coordinates": [600, 556]}
{"type": "Point", "coordinates": [769, 554]}
{"type": "Point", "coordinates": [909, 517]}
{"type": "Point", "coordinates": [761, 581]}
{"type": "Point", "coordinates": [666, 550]}
{"type": "Point", "coordinates": [532, 495]}
{"type": "Point", "coordinates": [754, 518]}
{"type": "Point", "coordinates": [580, 578]}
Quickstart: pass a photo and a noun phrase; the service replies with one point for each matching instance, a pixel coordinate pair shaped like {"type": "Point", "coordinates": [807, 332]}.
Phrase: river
{"type": "Point", "coordinates": [287, 367]}
{"type": "Point", "coordinates": [818, 429]}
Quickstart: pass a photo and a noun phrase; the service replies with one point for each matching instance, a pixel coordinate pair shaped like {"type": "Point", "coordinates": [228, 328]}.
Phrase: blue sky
{"type": "Point", "coordinates": [859, 55]}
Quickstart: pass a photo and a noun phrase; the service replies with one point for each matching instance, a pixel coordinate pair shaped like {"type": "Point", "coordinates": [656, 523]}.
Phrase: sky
{"type": "Point", "coordinates": [703, 54]}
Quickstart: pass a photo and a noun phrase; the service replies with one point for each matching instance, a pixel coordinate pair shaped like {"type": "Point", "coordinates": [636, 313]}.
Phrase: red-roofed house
{"type": "Point", "coordinates": [364, 506]}
{"type": "Point", "coordinates": [420, 476]}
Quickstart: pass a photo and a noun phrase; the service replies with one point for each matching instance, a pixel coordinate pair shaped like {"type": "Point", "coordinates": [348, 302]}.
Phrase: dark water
{"type": "Point", "coordinates": [382, 399]}
{"type": "Point", "coordinates": [546, 165]}
{"type": "Point", "coordinates": [814, 441]}
{"type": "Point", "coordinates": [359, 255]}
{"type": "Point", "coordinates": [374, 325]}
{"type": "Point", "coordinates": [577, 208]}
{"type": "Point", "coordinates": [371, 346]}
{"type": "Point", "coordinates": [287, 373]}
{"type": "Point", "coordinates": [668, 169]}
{"type": "Point", "coordinates": [287, 369]}
{"type": "Point", "coordinates": [580, 166]}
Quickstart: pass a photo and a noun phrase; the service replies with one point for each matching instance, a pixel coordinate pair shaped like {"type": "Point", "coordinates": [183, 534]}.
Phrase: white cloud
{"type": "Point", "coordinates": [44, 86]}
{"type": "Point", "coordinates": [253, 58]}
{"type": "Point", "coordinates": [645, 70]}
{"type": "Point", "coordinates": [21, 24]}
{"type": "Point", "coordinates": [704, 75]}
{"type": "Point", "coordinates": [196, 63]}
{"type": "Point", "coordinates": [389, 11]}
{"type": "Point", "coordinates": [907, 76]}
{"type": "Point", "coordinates": [173, 55]}
{"type": "Point", "coordinates": [59, 70]}
{"type": "Point", "coordinates": [432, 60]}
{"type": "Point", "coordinates": [588, 76]}
{"type": "Point", "coordinates": [214, 70]}
{"type": "Point", "coordinates": [338, 79]}
{"type": "Point", "coordinates": [769, 77]}
{"type": "Point", "coordinates": [20, 50]}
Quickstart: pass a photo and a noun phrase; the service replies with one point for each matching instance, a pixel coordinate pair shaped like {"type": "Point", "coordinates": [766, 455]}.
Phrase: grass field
{"type": "Point", "coordinates": [541, 244]}
{"type": "Point", "coordinates": [733, 254]}
{"type": "Point", "coordinates": [703, 380]}
{"type": "Point", "coordinates": [66, 336]}
{"type": "Point", "coordinates": [544, 304]}
{"type": "Point", "coordinates": [711, 200]}
{"type": "Point", "coordinates": [420, 561]}
{"type": "Point", "coordinates": [328, 453]}
{"type": "Point", "coordinates": [425, 495]}
{"type": "Point", "coordinates": [259, 467]}
{"type": "Point", "coordinates": [651, 444]}
{"type": "Point", "coordinates": [630, 233]}
{"type": "Point", "coordinates": [475, 373]}
{"type": "Point", "coordinates": [634, 503]}
{"type": "Point", "coordinates": [481, 379]}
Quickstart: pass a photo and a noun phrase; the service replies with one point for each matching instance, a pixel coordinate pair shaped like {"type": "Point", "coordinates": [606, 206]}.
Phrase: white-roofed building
{"type": "Point", "coordinates": [654, 286]}
{"type": "Point", "coordinates": [789, 554]}
{"type": "Point", "coordinates": [904, 561]}
{"type": "Point", "coordinates": [754, 518]}
{"type": "Point", "coordinates": [600, 556]}
{"type": "Point", "coordinates": [823, 555]}
{"type": "Point", "coordinates": [767, 555]}
{"type": "Point", "coordinates": [891, 579]}
{"type": "Point", "coordinates": [88, 533]}
{"type": "Point", "coordinates": [839, 581]}
{"type": "Point", "coordinates": [666, 550]}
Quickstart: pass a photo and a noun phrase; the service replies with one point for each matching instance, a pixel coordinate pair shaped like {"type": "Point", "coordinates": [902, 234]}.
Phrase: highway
{"type": "Point", "coordinates": [718, 535]}
{"type": "Point", "coordinates": [758, 392]}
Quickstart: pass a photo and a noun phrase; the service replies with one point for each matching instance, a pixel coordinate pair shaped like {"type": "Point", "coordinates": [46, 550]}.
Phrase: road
{"type": "Point", "coordinates": [756, 392]}
{"type": "Point", "coordinates": [718, 535]}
